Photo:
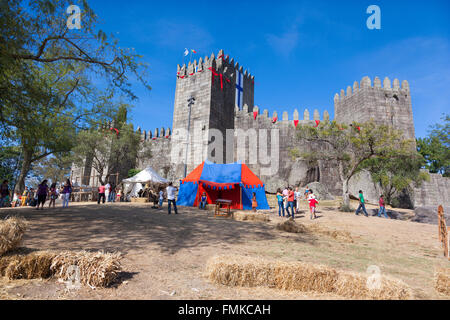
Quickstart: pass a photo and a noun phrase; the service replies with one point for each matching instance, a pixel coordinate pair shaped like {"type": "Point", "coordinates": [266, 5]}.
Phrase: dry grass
{"type": "Point", "coordinates": [442, 281]}
{"type": "Point", "coordinates": [250, 272]}
{"type": "Point", "coordinates": [250, 216]}
{"type": "Point", "coordinates": [97, 269]}
{"type": "Point", "coordinates": [294, 227]}
{"type": "Point", "coordinates": [11, 233]}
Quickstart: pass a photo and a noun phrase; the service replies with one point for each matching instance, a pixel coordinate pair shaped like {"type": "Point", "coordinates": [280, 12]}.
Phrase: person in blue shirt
{"type": "Point", "coordinates": [203, 201]}
{"type": "Point", "coordinates": [280, 202]}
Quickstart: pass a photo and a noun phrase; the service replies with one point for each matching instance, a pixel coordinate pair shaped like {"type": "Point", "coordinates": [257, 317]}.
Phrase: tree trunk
{"type": "Point", "coordinates": [345, 194]}
{"type": "Point", "coordinates": [26, 165]}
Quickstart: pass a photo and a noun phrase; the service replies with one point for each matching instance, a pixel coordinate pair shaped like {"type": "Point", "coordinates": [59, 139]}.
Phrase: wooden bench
{"type": "Point", "coordinates": [222, 212]}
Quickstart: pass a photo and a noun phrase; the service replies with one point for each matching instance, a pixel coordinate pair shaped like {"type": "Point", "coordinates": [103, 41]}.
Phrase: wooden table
{"type": "Point", "coordinates": [219, 211]}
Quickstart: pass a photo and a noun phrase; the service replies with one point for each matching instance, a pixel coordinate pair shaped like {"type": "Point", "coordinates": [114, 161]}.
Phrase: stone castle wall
{"type": "Point", "coordinates": [247, 134]}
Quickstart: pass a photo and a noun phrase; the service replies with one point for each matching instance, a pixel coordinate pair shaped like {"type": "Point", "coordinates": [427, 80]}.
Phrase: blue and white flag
{"type": "Point", "coordinates": [239, 90]}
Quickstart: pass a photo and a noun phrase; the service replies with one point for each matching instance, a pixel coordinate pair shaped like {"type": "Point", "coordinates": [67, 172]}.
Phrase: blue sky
{"type": "Point", "coordinates": [301, 53]}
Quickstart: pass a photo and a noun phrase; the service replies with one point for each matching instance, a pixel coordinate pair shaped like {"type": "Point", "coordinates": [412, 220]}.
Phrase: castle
{"type": "Point", "coordinates": [215, 118]}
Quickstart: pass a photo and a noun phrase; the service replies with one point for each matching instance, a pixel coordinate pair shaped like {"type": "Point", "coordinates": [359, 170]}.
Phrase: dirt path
{"type": "Point", "coordinates": [165, 256]}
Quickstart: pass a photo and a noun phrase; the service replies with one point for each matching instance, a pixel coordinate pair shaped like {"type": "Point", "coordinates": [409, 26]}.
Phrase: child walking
{"type": "Point", "coordinates": [312, 207]}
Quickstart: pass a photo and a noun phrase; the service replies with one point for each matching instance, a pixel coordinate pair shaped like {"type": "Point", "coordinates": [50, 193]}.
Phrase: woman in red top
{"type": "Point", "coordinates": [290, 203]}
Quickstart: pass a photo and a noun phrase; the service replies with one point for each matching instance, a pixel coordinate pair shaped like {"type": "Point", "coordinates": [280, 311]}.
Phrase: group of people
{"type": "Point", "coordinates": [290, 199]}
{"type": "Point", "coordinates": [36, 197]}
{"type": "Point", "coordinates": [109, 193]}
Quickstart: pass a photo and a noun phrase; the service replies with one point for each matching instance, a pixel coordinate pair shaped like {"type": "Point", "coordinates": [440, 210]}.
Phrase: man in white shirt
{"type": "Point", "coordinates": [171, 197]}
{"type": "Point", "coordinates": [297, 197]}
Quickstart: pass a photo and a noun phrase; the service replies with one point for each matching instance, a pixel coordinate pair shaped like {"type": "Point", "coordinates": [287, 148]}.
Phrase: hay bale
{"type": "Point", "coordinates": [35, 265]}
{"type": "Point", "coordinates": [251, 272]}
{"type": "Point", "coordinates": [11, 233]}
{"type": "Point", "coordinates": [354, 285]}
{"type": "Point", "coordinates": [442, 281]}
{"type": "Point", "coordinates": [250, 216]}
{"type": "Point", "coordinates": [97, 269]}
{"type": "Point", "coordinates": [291, 226]}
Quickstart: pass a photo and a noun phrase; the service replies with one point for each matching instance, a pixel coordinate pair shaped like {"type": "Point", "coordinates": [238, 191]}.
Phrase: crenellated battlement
{"type": "Point", "coordinates": [158, 133]}
{"type": "Point", "coordinates": [366, 83]}
{"type": "Point", "coordinates": [221, 63]}
{"type": "Point", "coordinates": [285, 118]}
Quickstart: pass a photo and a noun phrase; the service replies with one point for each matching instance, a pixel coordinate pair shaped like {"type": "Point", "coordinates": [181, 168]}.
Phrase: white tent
{"type": "Point", "coordinates": [136, 182]}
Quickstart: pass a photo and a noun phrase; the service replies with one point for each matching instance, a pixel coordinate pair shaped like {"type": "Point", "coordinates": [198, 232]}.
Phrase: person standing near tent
{"type": "Point", "coordinates": [254, 202]}
{"type": "Point", "coordinates": [101, 194]}
{"type": "Point", "coordinates": [361, 204]}
{"type": "Point", "coordinates": [171, 197]}
{"type": "Point", "coordinates": [67, 190]}
{"type": "Point", "coordinates": [290, 203]}
{"type": "Point", "coordinates": [203, 201]}
{"type": "Point", "coordinates": [280, 202]}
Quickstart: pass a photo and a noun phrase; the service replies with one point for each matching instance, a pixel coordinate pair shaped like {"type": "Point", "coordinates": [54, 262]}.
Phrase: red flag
{"type": "Point", "coordinates": [255, 114]}
{"type": "Point", "coordinates": [296, 123]}
{"type": "Point", "coordinates": [274, 119]}
{"type": "Point", "coordinates": [317, 123]}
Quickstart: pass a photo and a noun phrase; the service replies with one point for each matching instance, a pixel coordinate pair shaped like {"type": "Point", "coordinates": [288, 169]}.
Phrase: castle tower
{"type": "Point", "coordinates": [219, 86]}
{"type": "Point", "coordinates": [383, 103]}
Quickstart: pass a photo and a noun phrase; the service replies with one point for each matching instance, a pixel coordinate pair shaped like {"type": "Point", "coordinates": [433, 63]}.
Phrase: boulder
{"type": "Point", "coordinates": [320, 191]}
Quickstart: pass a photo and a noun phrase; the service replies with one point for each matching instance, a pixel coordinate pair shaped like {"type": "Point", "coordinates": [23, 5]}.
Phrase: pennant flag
{"type": "Point", "coordinates": [255, 114]}
{"type": "Point", "coordinates": [296, 123]}
{"type": "Point", "coordinates": [193, 51]}
{"type": "Point", "coordinates": [317, 123]}
{"type": "Point", "coordinates": [186, 52]}
{"type": "Point", "coordinates": [274, 119]}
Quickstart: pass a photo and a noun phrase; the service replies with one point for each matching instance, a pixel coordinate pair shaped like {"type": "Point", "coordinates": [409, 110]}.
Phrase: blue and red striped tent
{"type": "Point", "coordinates": [234, 181]}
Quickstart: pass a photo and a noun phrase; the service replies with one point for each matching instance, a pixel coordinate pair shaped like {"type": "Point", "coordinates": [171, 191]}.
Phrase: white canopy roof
{"type": "Point", "coordinates": [146, 175]}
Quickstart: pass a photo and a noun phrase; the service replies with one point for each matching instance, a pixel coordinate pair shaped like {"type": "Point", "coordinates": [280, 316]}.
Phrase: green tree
{"type": "Point", "coordinates": [45, 92]}
{"type": "Point", "coordinates": [350, 147]}
{"type": "Point", "coordinates": [109, 151]}
{"type": "Point", "coordinates": [397, 176]}
{"type": "Point", "coordinates": [435, 148]}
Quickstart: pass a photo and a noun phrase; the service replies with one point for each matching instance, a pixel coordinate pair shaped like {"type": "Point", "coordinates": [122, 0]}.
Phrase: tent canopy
{"type": "Point", "coordinates": [146, 175]}
{"type": "Point", "coordinates": [234, 181]}
{"type": "Point", "coordinates": [136, 182]}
